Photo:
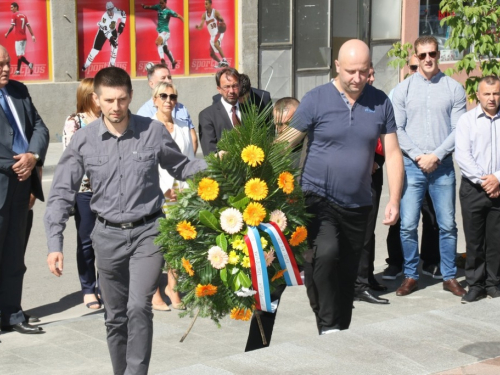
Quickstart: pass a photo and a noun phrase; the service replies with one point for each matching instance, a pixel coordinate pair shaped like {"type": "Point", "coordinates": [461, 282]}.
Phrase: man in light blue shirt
{"type": "Point", "coordinates": [161, 73]}
{"type": "Point", "coordinates": [427, 107]}
{"type": "Point", "coordinates": [477, 153]}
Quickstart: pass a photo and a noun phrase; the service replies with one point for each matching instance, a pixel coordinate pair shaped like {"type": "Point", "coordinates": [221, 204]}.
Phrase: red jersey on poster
{"type": "Point", "coordinates": [19, 21]}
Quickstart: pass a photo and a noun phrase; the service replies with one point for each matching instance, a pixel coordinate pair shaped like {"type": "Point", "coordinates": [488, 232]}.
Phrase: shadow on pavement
{"type": "Point", "coordinates": [65, 303]}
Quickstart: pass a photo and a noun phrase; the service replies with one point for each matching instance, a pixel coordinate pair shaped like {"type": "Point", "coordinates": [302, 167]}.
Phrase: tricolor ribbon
{"type": "Point", "coordinates": [260, 278]}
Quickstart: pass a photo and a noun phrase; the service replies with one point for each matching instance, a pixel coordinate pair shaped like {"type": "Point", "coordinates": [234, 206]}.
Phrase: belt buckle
{"type": "Point", "coordinates": [127, 225]}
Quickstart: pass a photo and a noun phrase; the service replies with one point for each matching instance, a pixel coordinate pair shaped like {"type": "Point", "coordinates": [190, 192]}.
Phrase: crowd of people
{"type": "Point", "coordinates": [119, 171]}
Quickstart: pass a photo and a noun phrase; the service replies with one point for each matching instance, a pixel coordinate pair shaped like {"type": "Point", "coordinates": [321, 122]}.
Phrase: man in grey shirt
{"type": "Point", "coordinates": [477, 153]}
{"type": "Point", "coordinates": [120, 153]}
{"type": "Point", "coordinates": [427, 107]}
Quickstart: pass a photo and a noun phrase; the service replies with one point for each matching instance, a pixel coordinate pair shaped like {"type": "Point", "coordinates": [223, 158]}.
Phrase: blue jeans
{"type": "Point", "coordinates": [441, 187]}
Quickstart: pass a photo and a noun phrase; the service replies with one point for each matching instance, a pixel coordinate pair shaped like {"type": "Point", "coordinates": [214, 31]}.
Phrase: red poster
{"type": "Point", "coordinates": [26, 37]}
{"type": "Point", "coordinates": [159, 33]}
{"type": "Point", "coordinates": [103, 35]}
{"type": "Point", "coordinates": [212, 30]}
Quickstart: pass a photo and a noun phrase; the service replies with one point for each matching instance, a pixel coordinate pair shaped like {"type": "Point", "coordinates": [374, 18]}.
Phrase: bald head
{"type": "Point", "coordinates": [4, 67]}
{"type": "Point", "coordinates": [413, 64]}
{"type": "Point", "coordinates": [353, 68]}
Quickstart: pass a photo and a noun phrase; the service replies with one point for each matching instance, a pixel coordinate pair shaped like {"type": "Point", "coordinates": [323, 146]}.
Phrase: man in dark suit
{"type": "Point", "coordinates": [24, 140]}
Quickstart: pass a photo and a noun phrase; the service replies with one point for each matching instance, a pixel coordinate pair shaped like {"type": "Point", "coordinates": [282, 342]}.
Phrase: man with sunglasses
{"type": "Point", "coordinates": [427, 107]}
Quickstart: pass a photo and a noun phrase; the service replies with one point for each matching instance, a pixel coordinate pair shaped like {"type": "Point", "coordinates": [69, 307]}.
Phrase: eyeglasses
{"type": "Point", "coordinates": [227, 87]}
{"type": "Point", "coordinates": [413, 68]}
{"type": "Point", "coordinates": [280, 124]}
{"type": "Point", "coordinates": [431, 54]}
{"type": "Point", "coordinates": [164, 96]}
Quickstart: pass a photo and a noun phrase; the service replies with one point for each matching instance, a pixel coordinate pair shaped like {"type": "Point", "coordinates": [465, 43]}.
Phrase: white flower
{"type": "Point", "coordinates": [231, 220]}
{"type": "Point", "coordinates": [217, 257]}
{"type": "Point", "coordinates": [245, 292]}
{"type": "Point", "coordinates": [279, 218]}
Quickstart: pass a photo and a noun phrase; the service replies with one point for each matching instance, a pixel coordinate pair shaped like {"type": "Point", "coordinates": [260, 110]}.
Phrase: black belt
{"type": "Point", "coordinates": [131, 224]}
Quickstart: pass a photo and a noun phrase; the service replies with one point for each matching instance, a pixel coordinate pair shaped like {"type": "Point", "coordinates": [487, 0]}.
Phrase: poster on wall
{"type": "Point", "coordinates": [212, 31]}
{"type": "Point", "coordinates": [159, 31]}
{"type": "Point", "coordinates": [26, 36]}
{"type": "Point", "coordinates": [103, 35]}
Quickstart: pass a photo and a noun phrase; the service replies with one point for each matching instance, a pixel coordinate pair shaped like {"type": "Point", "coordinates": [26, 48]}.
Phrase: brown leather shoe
{"type": "Point", "coordinates": [453, 286]}
{"type": "Point", "coordinates": [408, 286]}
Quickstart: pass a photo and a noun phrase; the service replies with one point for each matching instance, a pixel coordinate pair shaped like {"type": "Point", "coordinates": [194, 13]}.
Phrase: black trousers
{"type": "Point", "coordinates": [336, 237]}
{"type": "Point", "coordinates": [365, 269]}
{"type": "Point", "coordinates": [429, 246]}
{"type": "Point", "coordinates": [481, 218]}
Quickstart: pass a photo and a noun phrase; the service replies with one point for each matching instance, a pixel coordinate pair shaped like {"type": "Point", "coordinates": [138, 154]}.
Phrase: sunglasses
{"type": "Point", "coordinates": [164, 96]}
{"type": "Point", "coordinates": [413, 68]}
{"type": "Point", "coordinates": [431, 54]}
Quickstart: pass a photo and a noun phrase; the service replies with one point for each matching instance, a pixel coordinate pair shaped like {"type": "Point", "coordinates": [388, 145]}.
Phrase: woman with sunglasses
{"type": "Point", "coordinates": [165, 99]}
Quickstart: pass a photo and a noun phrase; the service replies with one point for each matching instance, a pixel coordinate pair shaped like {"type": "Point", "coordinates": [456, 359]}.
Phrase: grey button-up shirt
{"type": "Point", "coordinates": [426, 113]}
{"type": "Point", "coordinates": [476, 145]}
{"type": "Point", "coordinates": [123, 173]}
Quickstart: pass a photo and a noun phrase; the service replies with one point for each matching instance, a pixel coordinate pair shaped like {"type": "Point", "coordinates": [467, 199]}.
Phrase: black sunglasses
{"type": "Point", "coordinates": [164, 96]}
{"type": "Point", "coordinates": [431, 54]}
{"type": "Point", "coordinates": [413, 68]}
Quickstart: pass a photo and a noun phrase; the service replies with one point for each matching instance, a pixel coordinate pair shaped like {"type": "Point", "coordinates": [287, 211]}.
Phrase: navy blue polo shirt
{"type": "Point", "coordinates": [342, 140]}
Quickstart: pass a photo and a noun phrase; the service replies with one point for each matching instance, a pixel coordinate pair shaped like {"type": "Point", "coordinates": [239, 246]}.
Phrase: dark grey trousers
{"type": "Point", "coordinates": [129, 266]}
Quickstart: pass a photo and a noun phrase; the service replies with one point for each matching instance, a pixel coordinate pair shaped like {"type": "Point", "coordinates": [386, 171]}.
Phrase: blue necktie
{"type": "Point", "coordinates": [19, 145]}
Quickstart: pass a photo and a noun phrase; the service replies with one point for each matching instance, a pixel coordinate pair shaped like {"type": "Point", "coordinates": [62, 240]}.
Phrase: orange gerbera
{"type": "Point", "coordinates": [252, 155]}
{"type": "Point", "coordinates": [285, 182]}
{"type": "Point", "coordinates": [254, 214]}
{"type": "Point", "coordinates": [186, 230]}
{"type": "Point", "coordinates": [208, 189]}
{"type": "Point", "coordinates": [187, 266]}
{"type": "Point", "coordinates": [278, 275]}
{"type": "Point", "coordinates": [298, 236]}
{"type": "Point", "coordinates": [256, 189]}
{"type": "Point", "coordinates": [240, 314]}
{"type": "Point", "coordinates": [205, 290]}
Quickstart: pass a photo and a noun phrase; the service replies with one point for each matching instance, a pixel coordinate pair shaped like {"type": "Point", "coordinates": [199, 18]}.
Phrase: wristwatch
{"type": "Point", "coordinates": [37, 157]}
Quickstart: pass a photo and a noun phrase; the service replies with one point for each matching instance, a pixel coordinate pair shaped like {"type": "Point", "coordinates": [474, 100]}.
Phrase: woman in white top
{"type": "Point", "coordinates": [165, 99]}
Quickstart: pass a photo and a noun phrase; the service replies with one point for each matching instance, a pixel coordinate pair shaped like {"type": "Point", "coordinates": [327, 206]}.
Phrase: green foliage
{"type": "Point", "coordinates": [401, 54]}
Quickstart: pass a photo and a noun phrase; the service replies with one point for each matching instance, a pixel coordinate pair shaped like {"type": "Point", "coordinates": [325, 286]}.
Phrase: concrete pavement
{"type": "Point", "coordinates": [427, 332]}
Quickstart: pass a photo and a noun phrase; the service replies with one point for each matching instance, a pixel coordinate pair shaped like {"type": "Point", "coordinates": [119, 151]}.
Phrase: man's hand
{"type": "Point", "coordinates": [25, 164]}
{"type": "Point", "coordinates": [490, 184]}
{"type": "Point", "coordinates": [33, 39]}
{"type": "Point", "coordinates": [391, 214]}
{"type": "Point", "coordinates": [55, 262]}
{"type": "Point", "coordinates": [113, 41]}
{"type": "Point", "coordinates": [427, 162]}
{"type": "Point", "coordinates": [121, 26]}
{"type": "Point", "coordinates": [171, 195]}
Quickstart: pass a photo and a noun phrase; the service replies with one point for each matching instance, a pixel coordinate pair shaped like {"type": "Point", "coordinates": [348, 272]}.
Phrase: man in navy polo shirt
{"type": "Point", "coordinates": [343, 120]}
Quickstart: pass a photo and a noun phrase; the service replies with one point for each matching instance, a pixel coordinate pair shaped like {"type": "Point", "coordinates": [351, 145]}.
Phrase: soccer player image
{"type": "Point", "coordinates": [216, 28]}
{"type": "Point", "coordinates": [108, 30]}
{"type": "Point", "coordinates": [164, 15]}
{"type": "Point", "coordinates": [19, 24]}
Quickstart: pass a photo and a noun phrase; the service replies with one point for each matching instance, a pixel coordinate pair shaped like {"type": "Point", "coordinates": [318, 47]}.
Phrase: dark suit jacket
{"type": "Point", "coordinates": [212, 121]}
{"type": "Point", "coordinates": [260, 98]}
{"type": "Point", "coordinates": [36, 133]}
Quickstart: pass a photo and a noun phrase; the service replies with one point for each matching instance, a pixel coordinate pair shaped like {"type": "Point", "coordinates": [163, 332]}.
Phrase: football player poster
{"type": "Point", "coordinates": [103, 35]}
{"type": "Point", "coordinates": [26, 35]}
{"type": "Point", "coordinates": [212, 35]}
{"type": "Point", "coordinates": [159, 33]}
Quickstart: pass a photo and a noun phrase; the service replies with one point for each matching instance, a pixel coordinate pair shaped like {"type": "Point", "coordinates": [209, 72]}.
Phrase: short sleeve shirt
{"type": "Point", "coordinates": [341, 142]}
{"type": "Point", "coordinates": [163, 18]}
{"type": "Point", "coordinates": [19, 21]}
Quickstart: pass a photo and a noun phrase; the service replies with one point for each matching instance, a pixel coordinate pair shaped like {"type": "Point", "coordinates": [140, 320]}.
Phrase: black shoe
{"type": "Point", "coordinates": [366, 296]}
{"type": "Point", "coordinates": [84, 68]}
{"type": "Point", "coordinates": [376, 286]}
{"type": "Point", "coordinates": [23, 327]}
{"type": "Point", "coordinates": [493, 292]}
{"type": "Point", "coordinates": [433, 271]}
{"type": "Point", "coordinates": [474, 294]}
{"type": "Point", "coordinates": [392, 272]}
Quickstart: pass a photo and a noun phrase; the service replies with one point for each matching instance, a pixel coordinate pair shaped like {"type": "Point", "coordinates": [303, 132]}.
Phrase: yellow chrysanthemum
{"type": "Point", "coordinates": [238, 244]}
{"type": "Point", "coordinates": [186, 230]}
{"type": "Point", "coordinates": [245, 249]}
{"type": "Point", "coordinates": [240, 314]}
{"type": "Point", "coordinates": [263, 242]}
{"type": "Point", "coordinates": [285, 182]}
{"type": "Point", "coordinates": [298, 236]}
{"type": "Point", "coordinates": [233, 257]}
{"type": "Point", "coordinates": [205, 290]}
{"type": "Point", "coordinates": [254, 214]}
{"type": "Point", "coordinates": [252, 155]}
{"type": "Point", "coordinates": [245, 262]}
{"type": "Point", "coordinates": [256, 189]}
{"type": "Point", "coordinates": [208, 189]}
{"type": "Point", "coordinates": [278, 274]}
{"type": "Point", "coordinates": [187, 266]}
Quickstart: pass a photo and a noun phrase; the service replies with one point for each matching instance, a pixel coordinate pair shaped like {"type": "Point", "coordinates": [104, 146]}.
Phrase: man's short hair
{"type": "Point", "coordinates": [15, 5]}
{"type": "Point", "coordinates": [489, 80]}
{"type": "Point", "coordinates": [284, 104]}
{"type": "Point", "coordinates": [227, 72]}
{"type": "Point", "coordinates": [426, 39]}
{"type": "Point", "coordinates": [156, 67]}
{"type": "Point", "coordinates": [245, 85]}
{"type": "Point", "coordinates": [209, 1]}
{"type": "Point", "coordinates": [112, 77]}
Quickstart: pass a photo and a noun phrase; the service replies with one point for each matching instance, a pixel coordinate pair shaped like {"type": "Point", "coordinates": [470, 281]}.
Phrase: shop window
{"type": "Point", "coordinates": [274, 21]}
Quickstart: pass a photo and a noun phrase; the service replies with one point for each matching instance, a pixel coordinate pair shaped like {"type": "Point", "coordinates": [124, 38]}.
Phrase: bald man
{"type": "Point", "coordinates": [343, 120]}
